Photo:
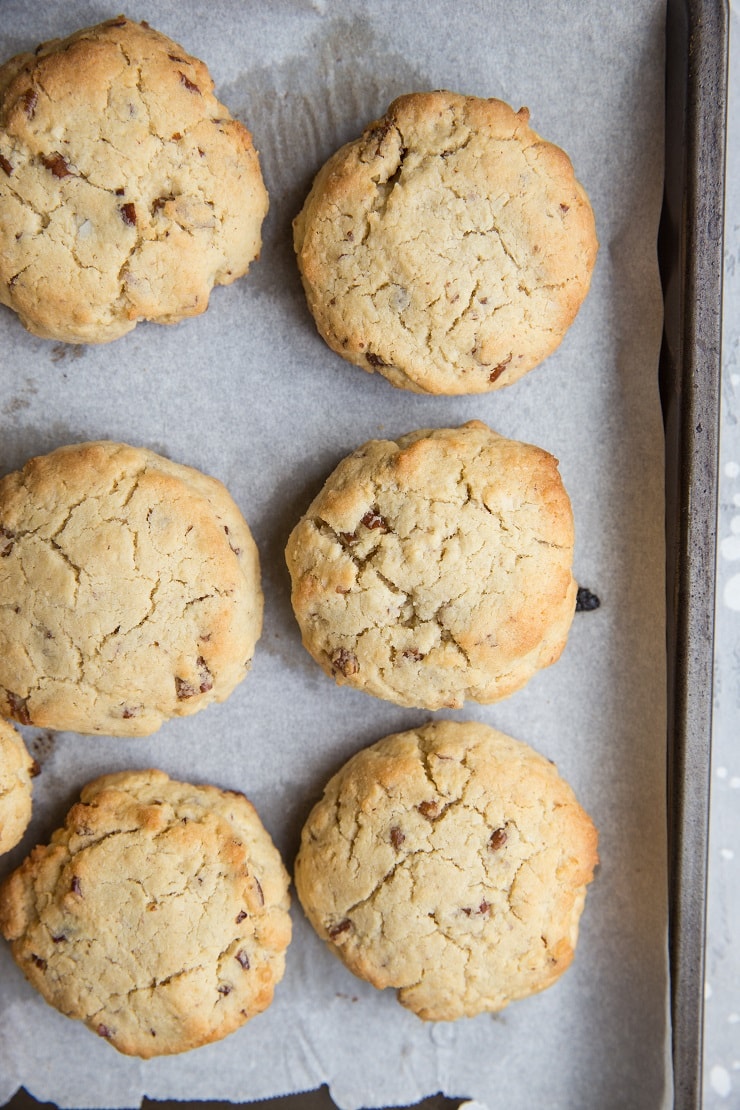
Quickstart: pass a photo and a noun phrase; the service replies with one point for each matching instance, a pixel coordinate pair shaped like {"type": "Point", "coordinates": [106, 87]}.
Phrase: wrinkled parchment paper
{"type": "Point", "coordinates": [251, 394]}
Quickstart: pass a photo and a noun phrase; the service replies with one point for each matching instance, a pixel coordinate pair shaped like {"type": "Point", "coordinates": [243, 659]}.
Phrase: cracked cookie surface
{"type": "Point", "coordinates": [158, 915]}
{"type": "Point", "coordinates": [127, 191]}
{"type": "Point", "coordinates": [450, 862]}
{"type": "Point", "coordinates": [17, 768]}
{"type": "Point", "coordinates": [448, 248]}
{"type": "Point", "coordinates": [436, 568]}
{"type": "Point", "coordinates": [129, 591]}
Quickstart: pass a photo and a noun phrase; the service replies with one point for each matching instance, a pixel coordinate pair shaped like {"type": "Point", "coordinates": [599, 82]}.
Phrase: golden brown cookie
{"type": "Point", "coordinates": [436, 568]}
{"type": "Point", "coordinates": [449, 247]}
{"type": "Point", "coordinates": [130, 588]}
{"type": "Point", "coordinates": [158, 915]}
{"type": "Point", "coordinates": [127, 191]}
{"type": "Point", "coordinates": [451, 863]}
{"type": "Point", "coordinates": [17, 768]}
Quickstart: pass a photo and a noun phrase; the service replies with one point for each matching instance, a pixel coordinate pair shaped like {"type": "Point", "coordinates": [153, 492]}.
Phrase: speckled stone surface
{"type": "Point", "coordinates": [722, 987]}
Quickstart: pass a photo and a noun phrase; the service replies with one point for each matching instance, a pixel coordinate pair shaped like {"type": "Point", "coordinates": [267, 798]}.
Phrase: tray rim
{"type": "Point", "coordinates": [697, 43]}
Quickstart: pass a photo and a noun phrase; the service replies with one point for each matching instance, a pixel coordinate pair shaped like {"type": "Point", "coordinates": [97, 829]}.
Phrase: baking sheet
{"type": "Point", "coordinates": [251, 394]}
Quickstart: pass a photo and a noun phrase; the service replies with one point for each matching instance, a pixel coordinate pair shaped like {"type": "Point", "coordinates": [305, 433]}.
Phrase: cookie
{"type": "Point", "coordinates": [130, 591]}
{"type": "Point", "coordinates": [158, 915]}
{"type": "Point", "coordinates": [16, 771]}
{"type": "Point", "coordinates": [451, 863]}
{"type": "Point", "coordinates": [127, 191]}
{"type": "Point", "coordinates": [436, 568]}
{"type": "Point", "coordinates": [448, 248]}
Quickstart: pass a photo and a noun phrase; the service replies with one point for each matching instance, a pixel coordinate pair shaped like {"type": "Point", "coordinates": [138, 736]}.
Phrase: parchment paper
{"type": "Point", "coordinates": [250, 393]}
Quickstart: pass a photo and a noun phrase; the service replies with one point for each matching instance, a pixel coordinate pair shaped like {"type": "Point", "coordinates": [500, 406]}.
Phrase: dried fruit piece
{"type": "Point", "coordinates": [345, 662]}
{"type": "Point", "coordinates": [57, 163]}
{"type": "Point", "coordinates": [373, 520]}
{"type": "Point", "coordinates": [499, 369]}
{"type": "Point", "coordinates": [29, 100]}
{"type": "Point", "coordinates": [19, 708]}
{"type": "Point", "coordinates": [189, 85]}
{"type": "Point", "coordinates": [206, 678]}
{"type": "Point", "coordinates": [186, 689]}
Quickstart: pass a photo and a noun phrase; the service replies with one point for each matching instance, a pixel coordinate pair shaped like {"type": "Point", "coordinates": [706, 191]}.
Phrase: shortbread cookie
{"type": "Point", "coordinates": [158, 915]}
{"type": "Point", "coordinates": [16, 771]}
{"type": "Point", "coordinates": [449, 247]}
{"type": "Point", "coordinates": [451, 863]}
{"type": "Point", "coordinates": [127, 191]}
{"type": "Point", "coordinates": [130, 588]}
{"type": "Point", "coordinates": [436, 568]}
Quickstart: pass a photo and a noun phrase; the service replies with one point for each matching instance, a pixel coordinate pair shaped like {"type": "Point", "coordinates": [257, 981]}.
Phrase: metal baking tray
{"type": "Point", "coordinates": [690, 249]}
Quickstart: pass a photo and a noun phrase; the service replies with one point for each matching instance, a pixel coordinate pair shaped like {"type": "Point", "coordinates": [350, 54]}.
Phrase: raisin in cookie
{"type": "Point", "coordinates": [449, 247]}
{"type": "Point", "coordinates": [158, 915]}
{"type": "Point", "coordinates": [127, 191]}
{"type": "Point", "coordinates": [451, 863]}
{"type": "Point", "coordinates": [436, 568]}
{"type": "Point", "coordinates": [16, 771]}
{"type": "Point", "coordinates": [130, 588]}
